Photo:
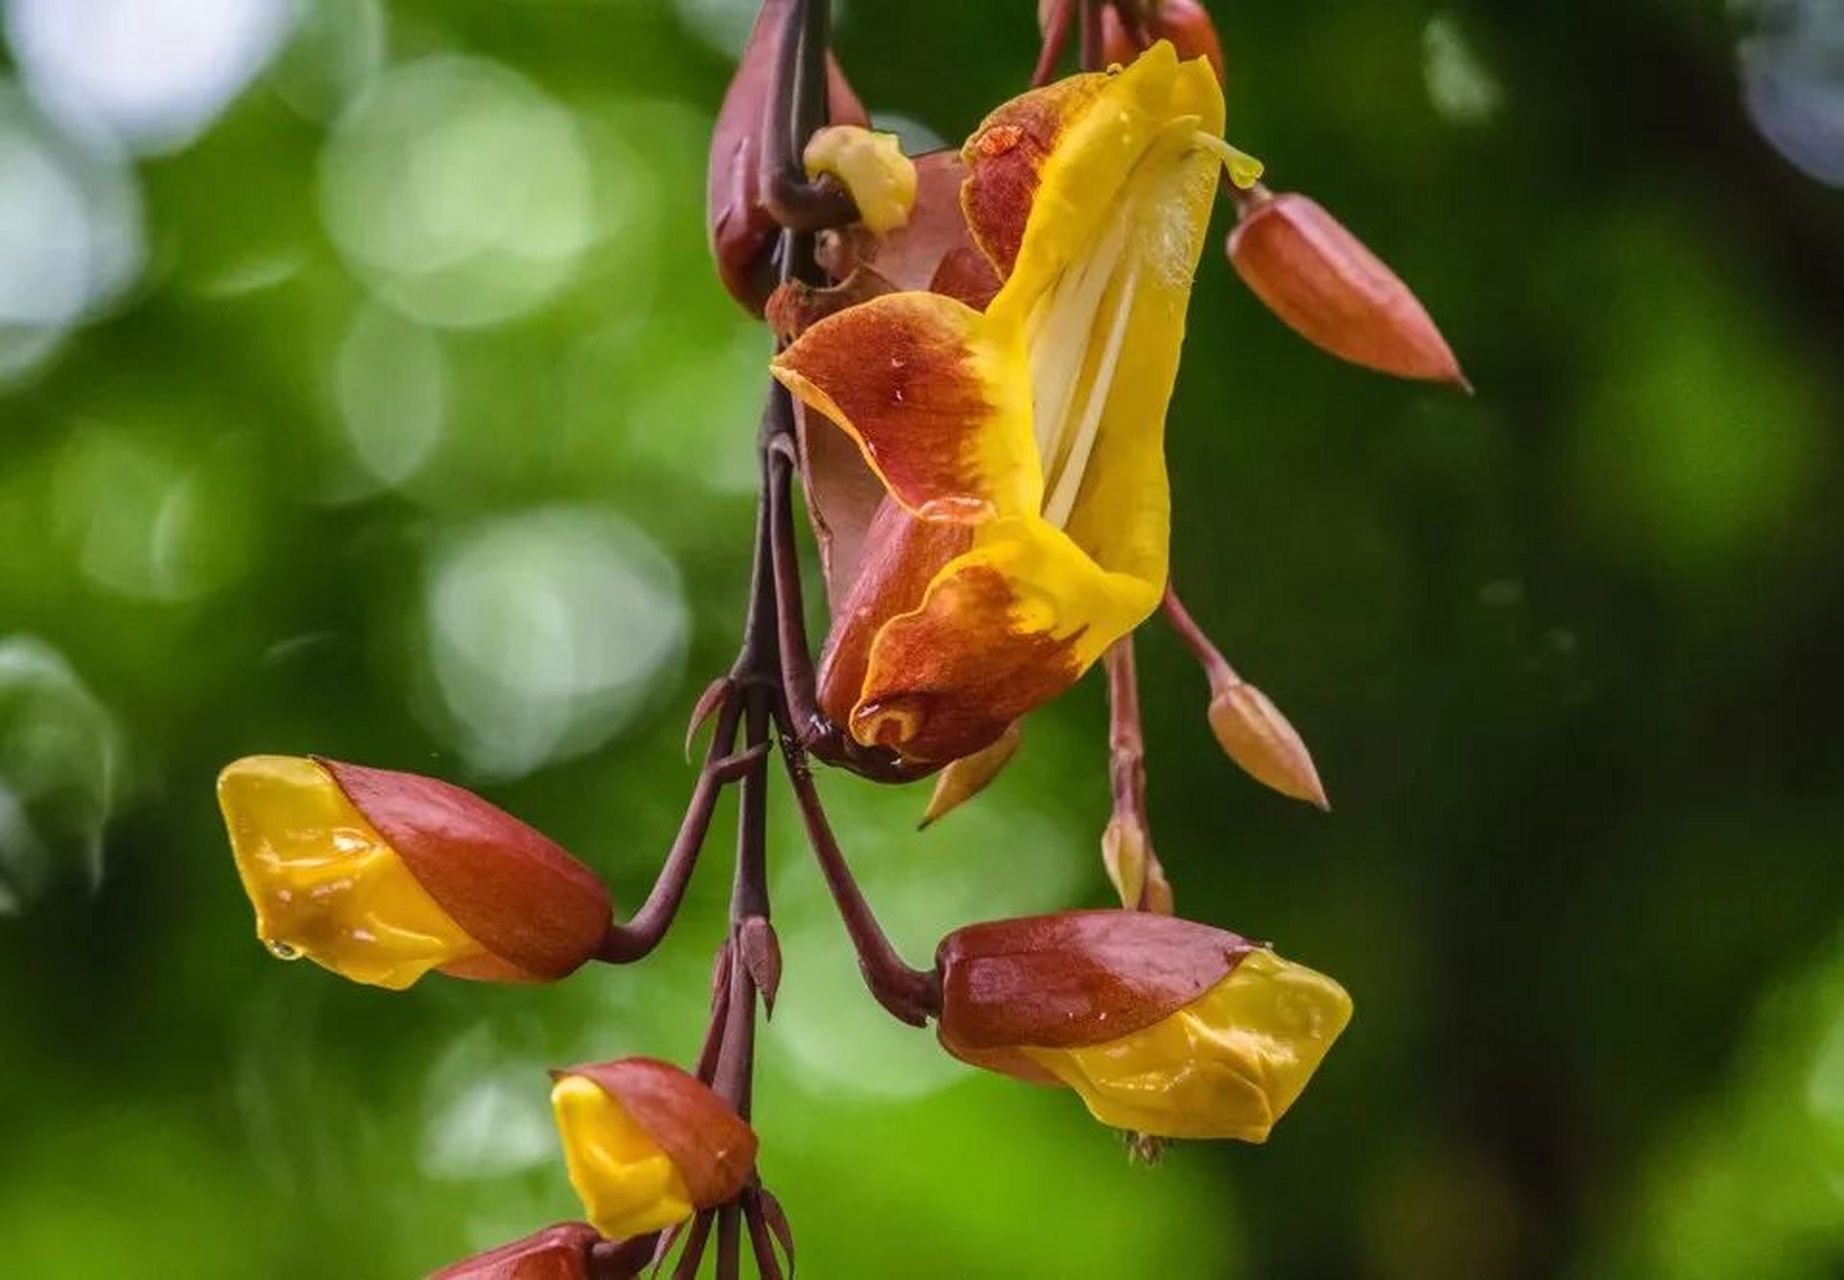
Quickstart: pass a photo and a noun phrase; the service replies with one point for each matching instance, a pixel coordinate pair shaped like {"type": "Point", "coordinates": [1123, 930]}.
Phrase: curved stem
{"type": "Point", "coordinates": [1056, 41]}
{"type": "Point", "coordinates": [628, 942]}
{"type": "Point", "coordinates": [799, 96]}
{"type": "Point", "coordinates": [1215, 665]}
{"type": "Point", "coordinates": [911, 995]}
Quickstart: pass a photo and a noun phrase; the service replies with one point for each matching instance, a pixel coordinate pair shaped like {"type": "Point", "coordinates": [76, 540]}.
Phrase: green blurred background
{"type": "Point", "coordinates": [364, 389]}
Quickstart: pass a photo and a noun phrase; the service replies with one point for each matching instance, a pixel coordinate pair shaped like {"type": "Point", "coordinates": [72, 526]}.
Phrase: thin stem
{"type": "Point", "coordinates": [695, 1238]}
{"type": "Point", "coordinates": [1216, 666]}
{"type": "Point", "coordinates": [761, 1242]}
{"type": "Point", "coordinates": [729, 1243]}
{"type": "Point", "coordinates": [911, 995]}
{"type": "Point", "coordinates": [1127, 769]}
{"type": "Point", "coordinates": [1056, 41]}
{"type": "Point", "coordinates": [1094, 57]}
{"type": "Point", "coordinates": [799, 97]}
{"type": "Point", "coordinates": [642, 933]}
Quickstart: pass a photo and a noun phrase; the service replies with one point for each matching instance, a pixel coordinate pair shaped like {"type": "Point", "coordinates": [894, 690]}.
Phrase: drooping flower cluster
{"type": "Point", "coordinates": [976, 350]}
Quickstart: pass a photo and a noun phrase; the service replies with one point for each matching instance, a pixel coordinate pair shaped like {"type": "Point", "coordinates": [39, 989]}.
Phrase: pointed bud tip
{"type": "Point", "coordinates": [965, 778]}
{"type": "Point", "coordinates": [1264, 744]}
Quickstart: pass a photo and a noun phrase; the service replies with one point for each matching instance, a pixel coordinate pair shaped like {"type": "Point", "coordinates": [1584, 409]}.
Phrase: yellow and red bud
{"type": "Point", "coordinates": [872, 166]}
{"type": "Point", "coordinates": [383, 876]}
{"type": "Point", "coordinates": [741, 230]}
{"type": "Point", "coordinates": [1264, 743]}
{"type": "Point", "coordinates": [1331, 290]}
{"type": "Point", "coordinates": [647, 1145]}
{"type": "Point", "coordinates": [966, 777]}
{"type": "Point", "coordinates": [1161, 1025]}
{"type": "Point", "coordinates": [555, 1253]}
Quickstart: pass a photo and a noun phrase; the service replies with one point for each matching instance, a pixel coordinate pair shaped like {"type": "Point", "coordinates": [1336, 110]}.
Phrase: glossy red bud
{"type": "Point", "coordinates": [1075, 978]}
{"type": "Point", "coordinates": [555, 1253]}
{"type": "Point", "coordinates": [538, 912]}
{"type": "Point", "coordinates": [1331, 290]}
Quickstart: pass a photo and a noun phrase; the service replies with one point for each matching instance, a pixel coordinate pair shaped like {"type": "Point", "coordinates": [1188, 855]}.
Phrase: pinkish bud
{"type": "Point", "coordinates": [1335, 293]}
{"type": "Point", "coordinates": [1129, 27]}
{"type": "Point", "coordinates": [1262, 741]}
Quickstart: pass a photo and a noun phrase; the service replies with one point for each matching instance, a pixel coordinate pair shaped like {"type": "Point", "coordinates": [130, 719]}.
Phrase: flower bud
{"type": "Point", "coordinates": [1264, 742]}
{"type": "Point", "coordinates": [382, 876]}
{"type": "Point", "coordinates": [872, 167]}
{"type": "Point", "coordinates": [1331, 290]}
{"type": "Point", "coordinates": [1127, 854]}
{"type": "Point", "coordinates": [1161, 1025]}
{"type": "Point", "coordinates": [555, 1253]}
{"type": "Point", "coordinates": [741, 230]}
{"type": "Point", "coordinates": [966, 777]}
{"type": "Point", "coordinates": [648, 1145]}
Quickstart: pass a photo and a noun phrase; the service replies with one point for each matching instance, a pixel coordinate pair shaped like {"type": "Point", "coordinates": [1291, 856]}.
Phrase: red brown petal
{"type": "Point", "coordinates": [711, 1146]}
{"type": "Point", "coordinates": [1006, 154]}
{"type": "Point", "coordinates": [901, 556]}
{"type": "Point", "coordinates": [946, 681]}
{"type": "Point", "coordinates": [1077, 978]}
{"type": "Point", "coordinates": [538, 911]}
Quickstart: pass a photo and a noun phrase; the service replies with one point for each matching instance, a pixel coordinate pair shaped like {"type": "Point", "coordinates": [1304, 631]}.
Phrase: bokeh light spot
{"type": "Point", "coordinates": [152, 74]}
{"type": "Point", "coordinates": [546, 632]}
{"type": "Point", "coordinates": [459, 192]}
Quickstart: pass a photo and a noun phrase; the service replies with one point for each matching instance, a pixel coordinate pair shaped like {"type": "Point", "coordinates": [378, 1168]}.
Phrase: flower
{"type": "Point", "coordinates": [382, 876]}
{"type": "Point", "coordinates": [647, 1144]}
{"type": "Point", "coordinates": [555, 1253]}
{"type": "Point", "coordinates": [1161, 1025]}
{"type": "Point", "coordinates": [1186, 23]}
{"type": "Point", "coordinates": [1021, 445]}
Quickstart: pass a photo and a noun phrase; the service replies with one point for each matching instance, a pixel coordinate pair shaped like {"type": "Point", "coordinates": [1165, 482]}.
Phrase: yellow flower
{"type": "Point", "coordinates": [628, 1186]}
{"type": "Point", "coordinates": [1031, 431]}
{"type": "Point", "coordinates": [1227, 1065]}
{"type": "Point", "coordinates": [1162, 1025]}
{"type": "Point", "coordinates": [647, 1144]}
{"type": "Point", "coordinates": [324, 883]}
{"type": "Point", "coordinates": [382, 876]}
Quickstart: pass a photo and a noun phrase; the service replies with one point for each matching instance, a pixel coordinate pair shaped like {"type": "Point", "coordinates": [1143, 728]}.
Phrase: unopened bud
{"type": "Point", "coordinates": [1262, 741]}
{"type": "Point", "coordinates": [1161, 1025]}
{"type": "Point", "coordinates": [1124, 847]}
{"type": "Point", "coordinates": [966, 777]}
{"type": "Point", "coordinates": [647, 1145]}
{"type": "Point", "coordinates": [742, 232]}
{"type": "Point", "coordinates": [382, 876]}
{"type": "Point", "coordinates": [555, 1253]}
{"type": "Point", "coordinates": [1331, 290]}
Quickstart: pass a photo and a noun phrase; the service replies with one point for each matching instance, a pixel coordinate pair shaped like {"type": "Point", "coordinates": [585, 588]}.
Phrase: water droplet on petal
{"type": "Point", "coordinates": [282, 950]}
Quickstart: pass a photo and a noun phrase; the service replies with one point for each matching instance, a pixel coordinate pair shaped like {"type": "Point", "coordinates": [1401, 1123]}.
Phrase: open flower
{"type": "Point", "coordinates": [1021, 446]}
{"type": "Point", "coordinates": [647, 1144]}
{"type": "Point", "coordinates": [382, 876]}
{"type": "Point", "coordinates": [1162, 1025]}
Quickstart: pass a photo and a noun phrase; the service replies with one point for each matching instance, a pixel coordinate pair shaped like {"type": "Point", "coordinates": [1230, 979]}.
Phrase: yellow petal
{"type": "Point", "coordinates": [324, 883]}
{"type": "Point", "coordinates": [1227, 1065]}
{"type": "Point", "coordinates": [873, 168]}
{"type": "Point", "coordinates": [627, 1184]}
